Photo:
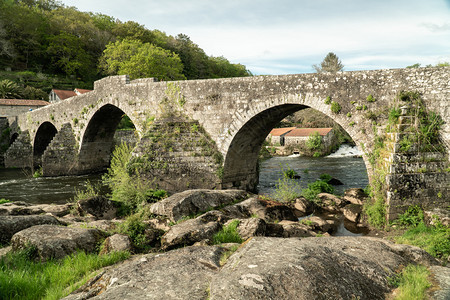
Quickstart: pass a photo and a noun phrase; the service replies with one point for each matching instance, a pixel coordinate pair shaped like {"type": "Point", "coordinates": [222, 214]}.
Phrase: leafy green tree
{"type": "Point", "coordinates": [331, 63]}
{"type": "Point", "coordinates": [68, 55]}
{"type": "Point", "coordinates": [9, 90]}
{"type": "Point", "coordinates": [141, 60]}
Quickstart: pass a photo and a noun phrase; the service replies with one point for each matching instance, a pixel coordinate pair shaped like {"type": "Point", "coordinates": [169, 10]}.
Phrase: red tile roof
{"type": "Point", "coordinates": [22, 102]}
{"type": "Point", "coordinates": [64, 94]}
{"type": "Point", "coordinates": [280, 131]}
{"type": "Point", "coordinates": [82, 91]}
{"type": "Point", "coordinates": [308, 131]}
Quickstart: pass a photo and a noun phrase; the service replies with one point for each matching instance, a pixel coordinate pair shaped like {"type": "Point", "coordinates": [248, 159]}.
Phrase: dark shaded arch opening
{"type": "Point", "coordinates": [44, 135]}
{"type": "Point", "coordinates": [13, 138]}
{"type": "Point", "coordinates": [98, 138]}
{"type": "Point", "coordinates": [241, 162]}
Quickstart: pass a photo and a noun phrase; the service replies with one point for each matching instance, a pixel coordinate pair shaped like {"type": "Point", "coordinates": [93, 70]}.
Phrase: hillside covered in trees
{"type": "Point", "coordinates": [45, 45]}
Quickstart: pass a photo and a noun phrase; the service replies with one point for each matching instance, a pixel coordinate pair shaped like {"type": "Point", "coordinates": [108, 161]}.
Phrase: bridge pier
{"type": "Point", "coordinates": [61, 155]}
{"type": "Point", "coordinates": [20, 153]}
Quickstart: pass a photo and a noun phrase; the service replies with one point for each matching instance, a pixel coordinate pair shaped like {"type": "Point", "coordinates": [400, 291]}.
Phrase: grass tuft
{"type": "Point", "coordinates": [228, 234]}
{"type": "Point", "coordinates": [23, 278]}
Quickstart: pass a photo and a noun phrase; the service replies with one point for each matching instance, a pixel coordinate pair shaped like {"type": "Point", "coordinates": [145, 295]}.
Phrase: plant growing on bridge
{"type": "Point", "coordinates": [370, 98]}
{"type": "Point", "coordinates": [335, 107]}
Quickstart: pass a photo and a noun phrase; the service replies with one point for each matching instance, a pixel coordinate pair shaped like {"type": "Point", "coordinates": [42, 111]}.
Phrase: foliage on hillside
{"type": "Point", "coordinates": [48, 39]}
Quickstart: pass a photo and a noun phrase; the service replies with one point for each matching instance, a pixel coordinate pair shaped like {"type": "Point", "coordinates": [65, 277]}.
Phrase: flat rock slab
{"type": "Point", "coordinates": [193, 202]}
{"type": "Point", "coordinates": [312, 268]}
{"type": "Point", "coordinates": [52, 241]}
{"type": "Point", "coordinates": [179, 274]}
{"type": "Point", "coordinates": [9, 225]}
{"type": "Point", "coordinates": [20, 208]}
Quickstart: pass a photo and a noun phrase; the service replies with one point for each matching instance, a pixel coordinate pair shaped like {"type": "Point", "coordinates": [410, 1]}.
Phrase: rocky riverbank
{"type": "Point", "coordinates": [281, 258]}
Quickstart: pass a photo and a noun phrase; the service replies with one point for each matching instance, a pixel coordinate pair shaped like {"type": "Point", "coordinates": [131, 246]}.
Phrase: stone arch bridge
{"type": "Point", "coordinates": [75, 136]}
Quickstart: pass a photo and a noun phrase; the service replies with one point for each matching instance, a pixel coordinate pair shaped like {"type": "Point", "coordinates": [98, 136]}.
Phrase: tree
{"type": "Point", "coordinates": [331, 63]}
{"type": "Point", "coordinates": [68, 55]}
{"type": "Point", "coordinates": [140, 60]}
{"type": "Point", "coordinates": [9, 90]}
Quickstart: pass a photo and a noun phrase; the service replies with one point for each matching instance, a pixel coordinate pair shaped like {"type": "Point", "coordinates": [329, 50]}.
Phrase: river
{"type": "Point", "coordinates": [19, 185]}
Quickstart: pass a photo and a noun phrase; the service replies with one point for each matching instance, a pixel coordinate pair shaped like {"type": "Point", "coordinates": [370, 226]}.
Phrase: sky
{"type": "Point", "coordinates": [289, 36]}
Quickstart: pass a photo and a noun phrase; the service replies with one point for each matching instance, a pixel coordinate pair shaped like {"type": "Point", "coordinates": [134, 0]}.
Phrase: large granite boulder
{"type": "Point", "coordinates": [52, 241]}
{"type": "Point", "coordinates": [355, 196]}
{"type": "Point", "coordinates": [352, 212]}
{"type": "Point", "coordinates": [116, 242]}
{"type": "Point", "coordinates": [189, 232]}
{"type": "Point", "coordinates": [99, 207]}
{"type": "Point", "coordinates": [192, 202]}
{"type": "Point", "coordinates": [265, 268]}
{"type": "Point", "coordinates": [179, 274]}
{"type": "Point", "coordinates": [9, 225]}
{"type": "Point", "coordinates": [313, 268]}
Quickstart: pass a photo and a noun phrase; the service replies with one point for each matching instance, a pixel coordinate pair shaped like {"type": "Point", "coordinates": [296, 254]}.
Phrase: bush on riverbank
{"type": "Point", "coordinates": [131, 191]}
{"type": "Point", "coordinates": [435, 239]}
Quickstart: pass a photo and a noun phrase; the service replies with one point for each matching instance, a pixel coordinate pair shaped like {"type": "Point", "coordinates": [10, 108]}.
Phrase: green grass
{"type": "Point", "coordinates": [228, 234]}
{"type": "Point", "coordinates": [433, 239]}
{"type": "Point", "coordinates": [22, 278]}
{"type": "Point", "coordinates": [413, 283]}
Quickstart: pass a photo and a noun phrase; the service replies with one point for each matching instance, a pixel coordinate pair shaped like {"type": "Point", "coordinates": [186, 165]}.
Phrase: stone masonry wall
{"type": "Point", "coordinates": [60, 157]}
{"type": "Point", "coordinates": [238, 113]}
{"type": "Point", "coordinates": [20, 153]}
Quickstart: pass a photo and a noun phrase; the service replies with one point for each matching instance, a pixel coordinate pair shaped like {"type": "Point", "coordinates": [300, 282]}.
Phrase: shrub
{"type": "Point", "coordinates": [394, 114]}
{"type": "Point", "coordinates": [37, 173]}
{"type": "Point", "coordinates": [286, 190]}
{"type": "Point", "coordinates": [412, 217]}
{"type": "Point", "coordinates": [129, 190]}
{"type": "Point", "coordinates": [376, 212]}
{"type": "Point", "coordinates": [349, 115]}
{"type": "Point", "coordinates": [228, 234]}
{"type": "Point", "coordinates": [314, 141]}
{"type": "Point", "coordinates": [289, 173]}
{"type": "Point", "coordinates": [352, 123]}
{"type": "Point", "coordinates": [328, 100]}
{"type": "Point", "coordinates": [316, 188]}
{"type": "Point", "coordinates": [90, 191]}
{"type": "Point", "coordinates": [335, 107]}
{"type": "Point", "coordinates": [135, 228]}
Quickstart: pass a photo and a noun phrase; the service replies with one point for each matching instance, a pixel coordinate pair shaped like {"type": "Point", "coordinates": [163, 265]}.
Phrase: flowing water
{"type": "Point", "coordinates": [345, 165]}
{"type": "Point", "coordinates": [342, 165]}
{"type": "Point", "coordinates": [19, 185]}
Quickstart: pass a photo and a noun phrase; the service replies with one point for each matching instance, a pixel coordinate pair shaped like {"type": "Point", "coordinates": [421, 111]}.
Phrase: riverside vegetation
{"type": "Point", "coordinates": [132, 197]}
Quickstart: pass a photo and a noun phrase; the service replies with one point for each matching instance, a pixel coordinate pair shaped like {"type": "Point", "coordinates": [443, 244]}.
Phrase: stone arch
{"type": "Point", "coordinates": [44, 135]}
{"type": "Point", "coordinates": [98, 139]}
{"type": "Point", "coordinates": [241, 159]}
